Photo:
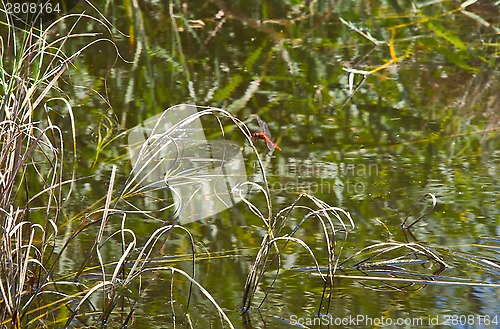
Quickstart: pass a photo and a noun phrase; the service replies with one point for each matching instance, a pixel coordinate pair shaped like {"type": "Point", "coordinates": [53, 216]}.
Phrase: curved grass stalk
{"type": "Point", "coordinates": [421, 281]}
{"type": "Point", "coordinates": [328, 217]}
{"type": "Point", "coordinates": [140, 264]}
{"type": "Point", "coordinates": [379, 249]}
{"type": "Point", "coordinates": [286, 239]}
{"type": "Point", "coordinates": [195, 283]}
{"type": "Point", "coordinates": [424, 215]}
{"type": "Point", "coordinates": [146, 155]}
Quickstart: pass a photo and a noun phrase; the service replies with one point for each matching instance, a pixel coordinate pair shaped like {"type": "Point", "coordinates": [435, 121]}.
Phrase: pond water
{"type": "Point", "coordinates": [373, 104]}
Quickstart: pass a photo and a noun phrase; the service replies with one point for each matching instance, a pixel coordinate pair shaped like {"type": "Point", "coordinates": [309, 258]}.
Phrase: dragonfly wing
{"type": "Point", "coordinates": [263, 127]}
{"type": "Point", "coordinates": [270, 144]}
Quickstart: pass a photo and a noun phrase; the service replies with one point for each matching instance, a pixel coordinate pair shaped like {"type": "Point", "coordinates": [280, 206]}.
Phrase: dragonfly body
{"type": "Point", "coordinates": [265, 135]}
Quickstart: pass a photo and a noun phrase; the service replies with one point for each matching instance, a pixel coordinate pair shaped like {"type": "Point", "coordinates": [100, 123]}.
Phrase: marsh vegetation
{"type": "Point", "coordinates": [381, 200]}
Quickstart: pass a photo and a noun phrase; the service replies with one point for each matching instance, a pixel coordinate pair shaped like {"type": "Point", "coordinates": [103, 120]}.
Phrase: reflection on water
{"type": "Point", "coordinates": [424, 121]}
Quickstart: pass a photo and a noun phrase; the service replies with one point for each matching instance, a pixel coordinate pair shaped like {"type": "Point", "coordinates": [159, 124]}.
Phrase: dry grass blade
{"type": "Point", "coordinates": [424, 215]}
{"type": "Point", "coordinates": [31, 166]}
{"type": "Point", "coordinates": [336, 224]}
{"type": "Point", "coordinates": [162, 139]}
{"type": "Point", "coordinates": [413, 281]}
{"type": "Point", "coordinates": [195, 283]}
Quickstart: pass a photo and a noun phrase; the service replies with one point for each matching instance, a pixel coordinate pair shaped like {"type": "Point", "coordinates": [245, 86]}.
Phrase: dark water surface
{"type": "Point", "coordinates": [420, 115]}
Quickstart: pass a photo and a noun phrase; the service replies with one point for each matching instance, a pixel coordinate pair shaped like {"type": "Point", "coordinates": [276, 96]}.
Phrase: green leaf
{"type": "Point", "coordinates": [447, 35]}
{"type": "Point", "coordinates": [228, 89]}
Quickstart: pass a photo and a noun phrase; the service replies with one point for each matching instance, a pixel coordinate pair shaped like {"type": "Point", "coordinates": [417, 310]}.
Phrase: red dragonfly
{"type": "Point", "coordinates": [265, 135]}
